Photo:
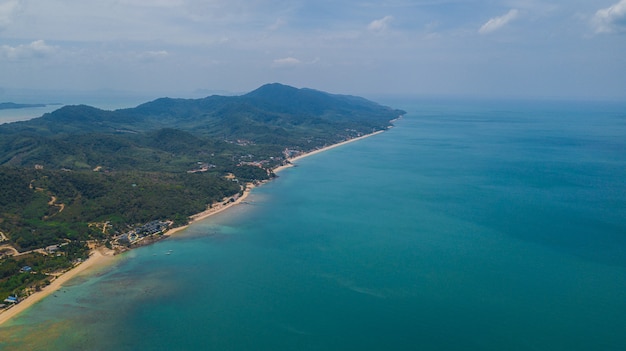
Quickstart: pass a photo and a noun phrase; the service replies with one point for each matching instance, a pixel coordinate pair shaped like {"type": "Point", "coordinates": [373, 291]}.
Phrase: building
{"type": "Point", "coordinates": [26, 269]}
{"type": "Point", "coordinates": [11, 299]}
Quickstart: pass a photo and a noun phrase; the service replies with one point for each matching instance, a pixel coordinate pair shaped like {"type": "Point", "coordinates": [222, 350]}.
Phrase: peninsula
{"type": "Point", "coordinates": [81, 180]}
{"type": "Point", "coordinates": [12, 105]}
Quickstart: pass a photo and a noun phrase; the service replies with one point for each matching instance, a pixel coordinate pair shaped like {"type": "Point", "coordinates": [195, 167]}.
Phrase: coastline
{"type": "Point", "coordinates": [97, 258]}
{"type": "Point", "coordinates": [220, 207]}
{"type": "Point", "coordinates": [307, 154]}
{"type": "Point", "coordinates": [100, 256]}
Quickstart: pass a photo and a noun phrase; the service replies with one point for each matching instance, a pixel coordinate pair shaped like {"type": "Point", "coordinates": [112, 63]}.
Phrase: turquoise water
{"type": "Point", "coordinates": [469, 226]}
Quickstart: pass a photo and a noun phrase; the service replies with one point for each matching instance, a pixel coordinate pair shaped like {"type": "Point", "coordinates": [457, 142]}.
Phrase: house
{"type": "Point", "coordinates": [11, 299]}
{"type": "Point", "coordinates": [26, 269]}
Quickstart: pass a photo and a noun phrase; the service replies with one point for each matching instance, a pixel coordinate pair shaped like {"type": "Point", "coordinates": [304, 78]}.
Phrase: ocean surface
{"type": "Point", "coordinates": [471, 225]}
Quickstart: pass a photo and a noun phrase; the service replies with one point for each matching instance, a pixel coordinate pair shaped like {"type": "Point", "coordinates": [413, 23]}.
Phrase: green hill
{"type": "Point", "coordinates": [169, 146]}
{"type": "Point", "coordinates": [81, 173]}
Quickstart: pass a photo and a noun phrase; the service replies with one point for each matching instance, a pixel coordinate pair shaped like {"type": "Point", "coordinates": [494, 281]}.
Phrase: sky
{"type": "Point", "coordinates": [476, 48]}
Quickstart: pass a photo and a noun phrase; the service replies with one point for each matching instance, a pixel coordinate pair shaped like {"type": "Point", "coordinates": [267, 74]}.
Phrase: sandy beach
{"type": "Point", "coordinates": [307, 154]}
{"type": "Point", "coordinates": [102, 256]}
{"type": "Point", "coordinates": [222, 206]}
{"type": "Point", "coordinates": [97, 258]}
{"type": "Point", "coordinates": [215, 209]}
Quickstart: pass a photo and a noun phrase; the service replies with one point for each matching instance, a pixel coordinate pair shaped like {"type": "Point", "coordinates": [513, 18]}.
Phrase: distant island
{"type": "Point", "coordinates": [80, 177]}
{"type": "Point", "coordinates": [12, 105]}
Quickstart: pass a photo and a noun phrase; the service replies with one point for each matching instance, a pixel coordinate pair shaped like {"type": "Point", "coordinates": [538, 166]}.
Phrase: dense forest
{"type": "Point", "coordinates": [66, 173]}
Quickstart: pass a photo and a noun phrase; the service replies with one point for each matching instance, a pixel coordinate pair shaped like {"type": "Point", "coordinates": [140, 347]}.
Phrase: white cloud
{"type": "Point", "coordinates": [7, 9]}
{"type": "Point", "coordinates": [380, 25]}
{"type": "Point", "coordinates": [149, 56]}
{"type": "Point", "coordinates": [37, 48]}
{"type": "Point", "coordinates": [286, 62]}
{"type": "Point", "coordinates": [498, 22]}
{"type": "Point", "coordinates": [611, 19]}
{"type": "Point", "coordinates": [293, 62]}
{"type": "Point", "coordinates": [187, 44]}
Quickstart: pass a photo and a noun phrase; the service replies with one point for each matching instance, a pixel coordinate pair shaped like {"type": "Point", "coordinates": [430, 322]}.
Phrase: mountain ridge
{"type": "Point", "coordinates": [283, 97]}
{"type": "Point", "coordinates": [81, 174]}
{"type": "Point", "coordinates": [274, 114]}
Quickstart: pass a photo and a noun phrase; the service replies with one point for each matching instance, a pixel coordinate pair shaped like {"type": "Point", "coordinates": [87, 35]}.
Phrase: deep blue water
{"type": "Point", "coordinates": [469, 226]}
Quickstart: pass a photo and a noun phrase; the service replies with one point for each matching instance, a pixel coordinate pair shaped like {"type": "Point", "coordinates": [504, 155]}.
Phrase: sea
{"type": "Point", "coordinates": [470, 225]}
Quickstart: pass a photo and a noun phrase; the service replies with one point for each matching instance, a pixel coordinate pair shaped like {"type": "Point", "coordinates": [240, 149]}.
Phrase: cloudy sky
{"type": "Point", "coordinates": [503, 48]}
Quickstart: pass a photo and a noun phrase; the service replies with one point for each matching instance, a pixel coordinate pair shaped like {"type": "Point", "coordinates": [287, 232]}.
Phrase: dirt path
{"type": "Point", "coordinates": [52, 202]}
{"type": "Point", "coordinates": [9, 248]}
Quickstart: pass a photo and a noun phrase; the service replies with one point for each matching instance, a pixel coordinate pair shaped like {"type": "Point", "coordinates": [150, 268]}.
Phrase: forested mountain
{"type": "Point", "coordinates": [270, 118]}
{"type": "Point", "coordinates": [81, 173]}
{"type": "Point", "coordinates": [270, 108]}
{"type": "Point", "coordinates": [165, 159]}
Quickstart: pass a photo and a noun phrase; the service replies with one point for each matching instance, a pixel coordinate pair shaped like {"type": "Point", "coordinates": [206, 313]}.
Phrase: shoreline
{"type": "Point", "coordinates": [101, 256]}
{"type": "Point", "coordinates": [212, 211]}
{"type": "Point", "coordinates": [97, 258]}
{"type": "Point", "coordinates": [326, 148]}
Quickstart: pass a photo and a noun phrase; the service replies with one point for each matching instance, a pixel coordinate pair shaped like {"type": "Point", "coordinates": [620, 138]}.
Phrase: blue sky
{"type": "Point", "coordinates": [501, 48]}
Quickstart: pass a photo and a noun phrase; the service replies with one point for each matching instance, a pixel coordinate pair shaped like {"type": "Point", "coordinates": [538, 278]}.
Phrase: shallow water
{"type": "Point", "coordinates": [471, 225]}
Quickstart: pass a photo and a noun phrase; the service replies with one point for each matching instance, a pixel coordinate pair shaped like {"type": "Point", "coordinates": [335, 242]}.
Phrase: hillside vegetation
{"type": "Point", "coordinates": [83, 174]}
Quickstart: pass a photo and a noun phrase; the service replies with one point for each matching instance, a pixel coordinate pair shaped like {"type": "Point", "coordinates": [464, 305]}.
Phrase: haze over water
{"type": "Point", "coordinates": [468, 226]}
